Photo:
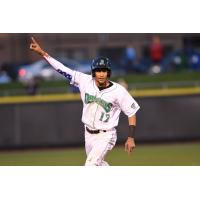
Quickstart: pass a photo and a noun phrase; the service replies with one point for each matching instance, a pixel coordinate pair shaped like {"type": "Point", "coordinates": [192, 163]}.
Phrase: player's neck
{"type": "Point", "coordinates": [102, 85]}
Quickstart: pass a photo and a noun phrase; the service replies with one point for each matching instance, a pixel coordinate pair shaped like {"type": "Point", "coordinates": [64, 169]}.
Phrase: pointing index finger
{"type": "Point", "coordinates": [34, 41]}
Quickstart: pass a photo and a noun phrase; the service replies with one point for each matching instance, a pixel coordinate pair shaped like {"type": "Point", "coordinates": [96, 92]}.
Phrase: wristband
{"type": "Point", "coordinates": [131, 131]}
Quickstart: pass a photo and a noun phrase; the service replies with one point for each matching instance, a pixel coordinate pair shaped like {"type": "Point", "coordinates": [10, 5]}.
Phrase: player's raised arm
{"type": "Point", "coordinates": [59, 67]}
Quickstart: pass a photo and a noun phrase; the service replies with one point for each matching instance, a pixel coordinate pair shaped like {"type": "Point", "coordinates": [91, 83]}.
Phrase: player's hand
{"type": "Point", "coordinates": [34, 46]}
{"type": "Point", "coordinates": [129, 145]}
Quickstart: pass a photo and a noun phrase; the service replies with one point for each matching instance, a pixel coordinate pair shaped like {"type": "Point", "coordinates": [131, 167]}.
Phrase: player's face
{"type": "Point", "coordinates": [101, 77]}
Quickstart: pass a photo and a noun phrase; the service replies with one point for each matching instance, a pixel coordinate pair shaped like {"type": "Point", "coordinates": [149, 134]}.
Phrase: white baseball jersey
{"type": "Point", "coordinates": [101, 109]}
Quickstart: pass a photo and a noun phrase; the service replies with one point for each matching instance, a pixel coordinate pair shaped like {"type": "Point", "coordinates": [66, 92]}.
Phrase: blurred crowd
{"type": "Point", "coordinates": [156, 58]}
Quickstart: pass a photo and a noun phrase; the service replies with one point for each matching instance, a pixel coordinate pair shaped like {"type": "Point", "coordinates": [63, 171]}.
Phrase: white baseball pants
{"type": "Point", "coordinates": [97, 146]}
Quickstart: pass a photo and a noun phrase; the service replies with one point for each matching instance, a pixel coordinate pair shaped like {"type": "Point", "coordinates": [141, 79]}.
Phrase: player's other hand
{"type": "Point", "coordinates": [34, 46]}
{"type": "Point", "coordinates": [130, 144]}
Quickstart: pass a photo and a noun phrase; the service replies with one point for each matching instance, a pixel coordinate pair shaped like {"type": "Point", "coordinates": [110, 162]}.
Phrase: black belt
{"type": "Point", "coordinates": [94, 131]}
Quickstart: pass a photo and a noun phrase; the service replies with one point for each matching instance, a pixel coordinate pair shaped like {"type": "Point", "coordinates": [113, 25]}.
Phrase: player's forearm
{"type": "Point", "coordinates": [58, 66]}
{"type": "Point", "coordinates": [132, 126]}
{"type": "Point", "coordinates": [132, 120]}
{"type": "Point", "coordinates": [42, 53]}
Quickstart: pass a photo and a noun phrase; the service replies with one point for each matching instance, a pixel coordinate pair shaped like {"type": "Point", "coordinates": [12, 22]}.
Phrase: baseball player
{"type": "Point", "coordinates": [103, 100]}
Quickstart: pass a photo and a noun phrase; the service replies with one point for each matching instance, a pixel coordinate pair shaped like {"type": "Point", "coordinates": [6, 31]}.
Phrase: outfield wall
{"type": "Point", "coordinates": [58, 123]}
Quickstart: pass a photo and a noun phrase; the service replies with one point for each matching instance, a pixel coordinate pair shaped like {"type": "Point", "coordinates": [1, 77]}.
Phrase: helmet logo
{"type": "Point", "coordinates": [102, 62]}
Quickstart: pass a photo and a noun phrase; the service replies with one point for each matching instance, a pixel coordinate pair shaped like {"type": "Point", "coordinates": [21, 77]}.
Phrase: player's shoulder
{"type": "Point", "coordinates": [119, 86]}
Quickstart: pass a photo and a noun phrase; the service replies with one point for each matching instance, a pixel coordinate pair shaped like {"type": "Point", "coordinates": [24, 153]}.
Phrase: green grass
{"type": "Point", "coordinates": [186, 154]}
{"type": "Point", "coordinates": [165, 77]}
{"type": "Point", "coordinates": [159, 155]}
{"type": "Point", "coordinates": [16, 88]}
